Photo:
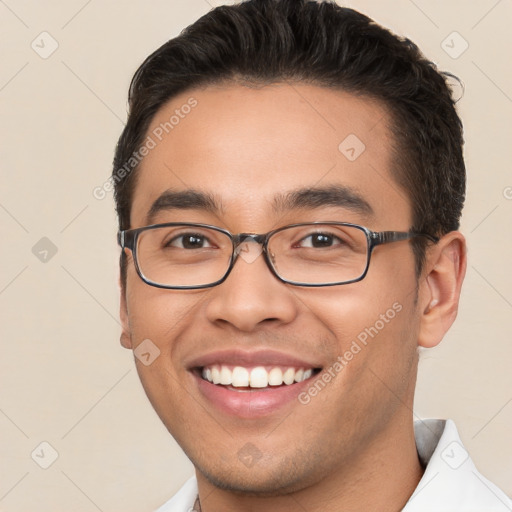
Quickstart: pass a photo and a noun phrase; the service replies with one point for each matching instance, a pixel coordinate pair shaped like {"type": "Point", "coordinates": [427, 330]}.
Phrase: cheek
{"type": "Point", "coordinates": [361, 311]}
{"type": "Point", "coordinates": [157, 320]}
{"type": "Point", "coordinates": [373, 324]}
{"type": "Point", "coordinates": [156, 313]}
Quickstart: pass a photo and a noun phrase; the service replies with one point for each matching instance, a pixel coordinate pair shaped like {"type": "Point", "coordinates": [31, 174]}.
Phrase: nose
{"type": "Point", "coordinates": [251, 296]}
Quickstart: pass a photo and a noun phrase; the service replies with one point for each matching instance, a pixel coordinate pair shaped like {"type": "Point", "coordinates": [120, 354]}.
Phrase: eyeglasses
{"type": "Point", "coordinates": [190, 256]}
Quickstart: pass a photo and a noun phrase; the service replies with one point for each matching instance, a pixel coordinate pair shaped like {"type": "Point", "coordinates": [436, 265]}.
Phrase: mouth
{"type": "Point", "coordinates": [252, 391]}
{"type": "Point", "coordinates": [249, 378]}
{"type": "Point", "coordinates": [250, 383]}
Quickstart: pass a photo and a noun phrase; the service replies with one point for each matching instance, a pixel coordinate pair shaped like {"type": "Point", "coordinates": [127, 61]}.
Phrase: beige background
{"type": "Point", "coordinates": [64, 377]}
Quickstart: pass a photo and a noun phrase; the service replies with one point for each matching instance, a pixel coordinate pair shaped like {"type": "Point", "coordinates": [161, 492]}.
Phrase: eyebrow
{"type": "Point", "coordinates": [307, 198]}
{"type": "Point", "coordinates": [183, 200]}
{"type": "Point", "coordinates": [314, 197]}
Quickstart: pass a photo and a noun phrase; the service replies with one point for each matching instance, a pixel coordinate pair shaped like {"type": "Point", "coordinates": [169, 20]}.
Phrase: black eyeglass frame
{"type": "Point", "coordinates": [128, 239]}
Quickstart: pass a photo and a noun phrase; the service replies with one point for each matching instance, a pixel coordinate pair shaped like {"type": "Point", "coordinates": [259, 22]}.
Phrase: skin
{"type": "Point", "coordinates": [352, 447]}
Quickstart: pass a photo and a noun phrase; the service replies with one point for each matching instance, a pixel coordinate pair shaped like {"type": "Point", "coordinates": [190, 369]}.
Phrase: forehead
{"type": "Point", "coordinates": [247, 146]}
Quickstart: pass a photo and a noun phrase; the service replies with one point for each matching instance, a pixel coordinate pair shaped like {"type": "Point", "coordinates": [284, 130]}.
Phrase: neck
{"type": "Point", "coordinates": [382, 476]}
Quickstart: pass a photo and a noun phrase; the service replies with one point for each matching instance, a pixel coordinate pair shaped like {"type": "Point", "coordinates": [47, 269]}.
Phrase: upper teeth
{"type": "Point", "coordinates": [257, 377]}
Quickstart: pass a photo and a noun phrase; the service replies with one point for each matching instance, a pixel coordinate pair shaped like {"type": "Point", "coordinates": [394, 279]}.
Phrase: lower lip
{"type": "Point", "coordinates": [255, 403]}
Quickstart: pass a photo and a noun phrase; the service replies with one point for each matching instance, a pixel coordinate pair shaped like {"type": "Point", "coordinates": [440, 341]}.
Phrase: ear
{"type": "Point", "coordinates": [126, 339]}
{"type": "Point", "coordinates": [440, 288]}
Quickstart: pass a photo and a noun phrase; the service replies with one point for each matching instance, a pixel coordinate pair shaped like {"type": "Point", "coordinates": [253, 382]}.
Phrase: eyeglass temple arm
{"type": "Point", "coordinates": [386, 237]}
{"type": "Point", "coordinates": [125, 238]}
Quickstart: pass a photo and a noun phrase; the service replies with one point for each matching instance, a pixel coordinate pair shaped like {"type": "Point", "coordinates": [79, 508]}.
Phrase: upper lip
{"type": "Point", "coordinates": [261, 357]}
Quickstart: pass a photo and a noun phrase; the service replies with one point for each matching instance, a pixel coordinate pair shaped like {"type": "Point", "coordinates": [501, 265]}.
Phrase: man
{"type": "Point", "coordinates": [289, 187]}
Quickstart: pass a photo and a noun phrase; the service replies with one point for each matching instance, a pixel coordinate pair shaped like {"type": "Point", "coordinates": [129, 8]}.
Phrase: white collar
{"type": "Point", "coordinates": [451, 481]}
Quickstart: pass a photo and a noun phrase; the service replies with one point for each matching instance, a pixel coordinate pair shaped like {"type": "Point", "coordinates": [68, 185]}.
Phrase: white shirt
{"type": "Point", "coordinates": [451, 482]}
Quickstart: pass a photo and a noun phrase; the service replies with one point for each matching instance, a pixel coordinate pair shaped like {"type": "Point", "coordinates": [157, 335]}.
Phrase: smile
{"type": "Point", "coordinates": [251, 384]}
{"type": "Point", "coordinates": [256, 377]}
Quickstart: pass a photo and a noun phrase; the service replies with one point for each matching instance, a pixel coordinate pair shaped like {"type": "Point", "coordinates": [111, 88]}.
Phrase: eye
{"type": "Point", "coordinates": [320, 240]}
{"type": "Point", "coordinates": [189, 241]}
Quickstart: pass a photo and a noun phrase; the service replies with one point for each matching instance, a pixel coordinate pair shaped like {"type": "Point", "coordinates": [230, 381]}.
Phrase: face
{"type": "Point", "coordinates": [250, 149]}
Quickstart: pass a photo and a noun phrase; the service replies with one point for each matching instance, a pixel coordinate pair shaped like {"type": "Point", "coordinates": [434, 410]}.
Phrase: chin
{"type": "Point", "coordinates": [264, 479]}
{"type": "Point", "coordinates": [256, 485]}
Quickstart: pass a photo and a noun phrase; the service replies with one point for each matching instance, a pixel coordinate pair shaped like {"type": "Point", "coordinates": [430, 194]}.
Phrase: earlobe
{"type": "Point", "coordinates": [125, 338]}
{"type": "Point", "coordinates": [440, 288]}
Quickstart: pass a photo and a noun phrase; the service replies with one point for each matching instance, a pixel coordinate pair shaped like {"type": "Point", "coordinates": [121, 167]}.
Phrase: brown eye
{"type": "Point", "coordinates": [319, 240]}
{"type": "Point", "coordinates": [189, 241]}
